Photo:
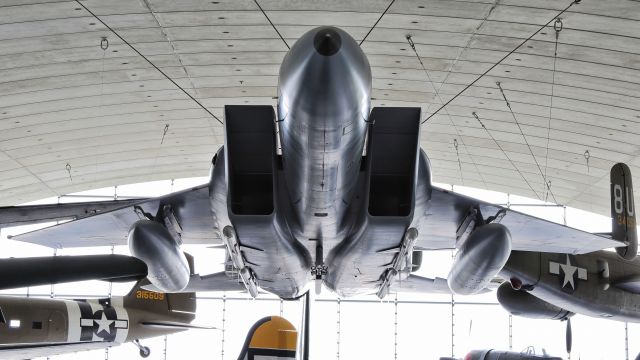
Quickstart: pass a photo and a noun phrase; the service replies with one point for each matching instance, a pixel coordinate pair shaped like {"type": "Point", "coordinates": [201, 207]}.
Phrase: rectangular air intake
{"type": "Point", "coordinates": [392, 157]}
{"type": "Point", "coordinates": [250, 151]}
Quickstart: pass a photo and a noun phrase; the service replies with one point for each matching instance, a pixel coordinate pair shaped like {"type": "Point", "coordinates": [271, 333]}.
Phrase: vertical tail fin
{"type": "Point", "coordinates": [623, 217]}
{"type": "Point", "coordinates": [161, 303]}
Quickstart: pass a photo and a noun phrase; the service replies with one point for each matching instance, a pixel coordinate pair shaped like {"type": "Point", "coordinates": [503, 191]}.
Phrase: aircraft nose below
{"type": "Point", "coordinates": [327, 41]}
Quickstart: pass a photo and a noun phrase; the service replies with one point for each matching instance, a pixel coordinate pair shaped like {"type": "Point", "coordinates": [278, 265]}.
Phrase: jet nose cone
{"type": "Point", "coordinates": [327, 41]}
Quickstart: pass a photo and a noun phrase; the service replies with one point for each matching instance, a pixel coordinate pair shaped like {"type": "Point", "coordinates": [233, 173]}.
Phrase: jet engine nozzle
{"type": "Point", "coordinates": [521, 303]}
{"type": "Point", "coordinates": [480, 259]}
{"type": "Point", "coordinates": [168, 268]}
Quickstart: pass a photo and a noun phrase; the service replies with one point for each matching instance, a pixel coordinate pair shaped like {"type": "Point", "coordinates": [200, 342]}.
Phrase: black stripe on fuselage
{"type": "Point", "coordinates": [86, 332]}
{"type": "Point", "coordinates": [270, 352]}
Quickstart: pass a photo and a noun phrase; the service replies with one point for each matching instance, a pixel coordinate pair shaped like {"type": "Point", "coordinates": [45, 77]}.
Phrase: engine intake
{"type": "Point", "coordinates": [168, 268]}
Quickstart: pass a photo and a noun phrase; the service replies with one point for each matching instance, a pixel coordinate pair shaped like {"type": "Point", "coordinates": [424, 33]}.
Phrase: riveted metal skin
{"type": "Point", "coordinates": [167, 265]}
{"type": "Point", "coordinates": [323, 108]}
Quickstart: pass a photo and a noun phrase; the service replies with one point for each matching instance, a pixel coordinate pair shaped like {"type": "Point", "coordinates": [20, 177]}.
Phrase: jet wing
{"type": "Point", "coordinates": [190, 207]}
{"type": "Point", "coordinates": [30, 351]}
{"type": "Point", "coordinates": [448, 210]}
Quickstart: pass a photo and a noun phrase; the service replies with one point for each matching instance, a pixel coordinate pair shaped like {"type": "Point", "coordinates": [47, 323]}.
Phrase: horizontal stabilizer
{"type": "Point", "coordinates": [47, 270]}
{"type": "Point", "coordinates": [212, 282]}
{"type": "Point", "coordinates": [174, 325]}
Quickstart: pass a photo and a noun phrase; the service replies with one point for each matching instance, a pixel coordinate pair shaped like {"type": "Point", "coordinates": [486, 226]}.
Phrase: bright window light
{"type": "Point", "coordinates": [14, 324]}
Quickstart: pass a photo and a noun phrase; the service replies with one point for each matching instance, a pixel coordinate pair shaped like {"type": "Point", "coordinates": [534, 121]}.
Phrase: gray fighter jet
{"type": "Point", "coordinates": [34, 327]}
{"type": "Point", "coordinates": [345, 201]}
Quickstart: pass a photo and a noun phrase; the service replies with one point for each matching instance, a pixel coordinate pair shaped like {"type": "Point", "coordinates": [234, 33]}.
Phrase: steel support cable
{"type": "Point", "coordinates": [557, 26]}
{"type": "Point", "coordinates": [547, 183]}
{"type": "Point", "coordinates": [466, 46]}
{"type": "Point", "coordinates": [475, 115]}
{"type": "Point", "coordinates": [424, 68]}
{"type": "Point", "coordinates": [455, 145]}
{"type": "Point", "coordinates": [149, 61]}
{"type": "Point", "coordinates": [501, 60]}
{"type": "Point", "coordinates": [376, 23]}
{"type": "Point", "coordinates": [272, 25]}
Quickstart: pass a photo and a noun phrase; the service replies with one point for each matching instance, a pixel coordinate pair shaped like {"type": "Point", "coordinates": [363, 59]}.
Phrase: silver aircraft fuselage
{"type": "Point", "coordinates": [318, 226]}
{"type": "Point", "coordinates": [323, 109]}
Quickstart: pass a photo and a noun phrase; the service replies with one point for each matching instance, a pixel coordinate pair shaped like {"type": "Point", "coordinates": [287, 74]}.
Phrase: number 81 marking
{"type": "Point", "coordinates": [618, 203]}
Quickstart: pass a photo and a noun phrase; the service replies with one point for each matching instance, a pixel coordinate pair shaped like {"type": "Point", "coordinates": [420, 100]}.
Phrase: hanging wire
{"type": "Point", "coordinates": [501, 60]}
{"type": "Point", "coordinates": [544, 178]}
{"type": "Point", "coordinates": [68, 167]}
{"type": "Point", "coordinates": [587, 156]}
{"type": "Point", "coordinates": [104, 45]}
{"type": "Point", "coordinates": [455, 145]}
{"type": "Point", "coordinates": [376, 23]}
{"type": "Point", "coordinates": [557, 26]}
{"type": "Point", "coordinates": [475, 115]}
{"type": "Point", "coordinates": [164, 133]}
{"type": "Point", "coordinates": [424, 69]}
{"type": "Point", "coordinates": [272, 25]}
{"type": "Point", "coordinates": [149, 61]}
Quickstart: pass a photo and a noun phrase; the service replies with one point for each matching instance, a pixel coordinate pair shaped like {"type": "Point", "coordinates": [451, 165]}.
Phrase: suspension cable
{"type": "Point", "coordinates": [475, 115]}
{"type": "Point", "coordinates": [424, 68]}
{"type": "Point", "coordinates": [272, 25]}
{"type": "Point", "coordinates": [557, 26]}
{"type": "Point", "coordinates": [149, 61]}
{"type": "Point", "coordinates": [501, 60]}
{"type": "Point", "coordinates": [376, 23]}
{"type": "Point", "coordinates": [546, 183]}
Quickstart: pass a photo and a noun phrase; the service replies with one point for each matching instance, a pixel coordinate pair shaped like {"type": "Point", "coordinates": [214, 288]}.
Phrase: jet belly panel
{"type": "Point", "coordinates": [322, 110]}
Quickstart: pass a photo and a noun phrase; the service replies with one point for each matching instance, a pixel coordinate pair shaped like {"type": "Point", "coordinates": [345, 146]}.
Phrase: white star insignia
{"type": "Point", "coordinates": [568, 271]}
{"type": "Point", "coordinates": [103, 324]}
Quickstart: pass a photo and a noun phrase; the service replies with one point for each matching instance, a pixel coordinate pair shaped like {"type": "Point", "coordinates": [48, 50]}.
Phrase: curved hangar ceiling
{"type": "Point", "coordinates": [77, 112]}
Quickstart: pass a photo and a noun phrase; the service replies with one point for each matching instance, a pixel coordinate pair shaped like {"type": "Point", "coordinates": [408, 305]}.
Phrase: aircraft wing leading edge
{"type": "Point", "coordinates": [445, 214]}
{"type": "Point", "coordinates": [447, 211]}
{"type": "Point", "coordinates": [190, 207]}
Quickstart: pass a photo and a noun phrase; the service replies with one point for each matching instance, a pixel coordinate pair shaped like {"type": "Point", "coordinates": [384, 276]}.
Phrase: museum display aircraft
{"type": "Point", "coordinates": [326, 189]}
{"type": "Point", "coordinates": [35, 327]}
